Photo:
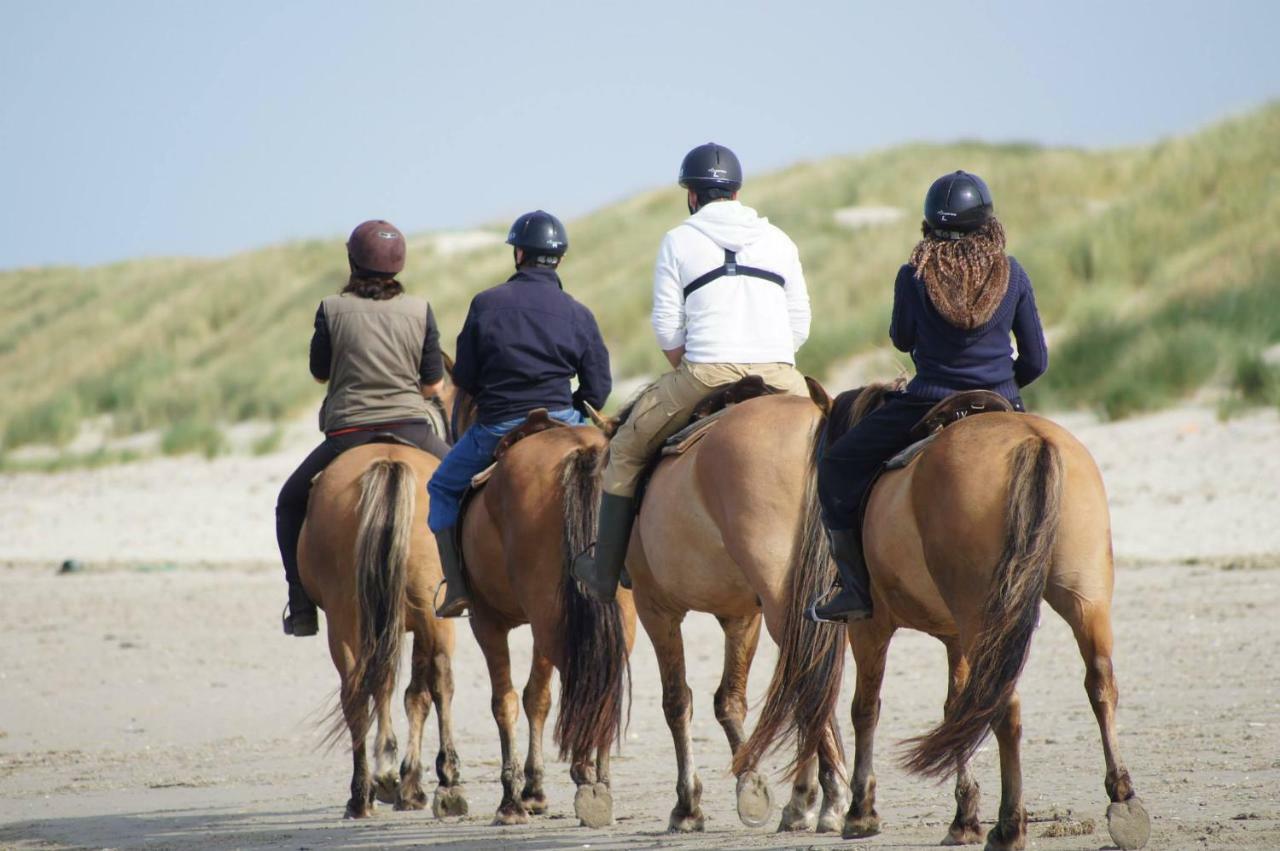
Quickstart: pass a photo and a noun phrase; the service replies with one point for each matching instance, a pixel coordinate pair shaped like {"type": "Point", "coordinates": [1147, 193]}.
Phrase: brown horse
{"type": "Point", "coordinates": [731, 527]}
{"type": "Point", "coordinates": [1001, 511]}
{"type": "Point", "coordinates": [365, 556]}
{"type": "Point", "coordinates": [519, 535]}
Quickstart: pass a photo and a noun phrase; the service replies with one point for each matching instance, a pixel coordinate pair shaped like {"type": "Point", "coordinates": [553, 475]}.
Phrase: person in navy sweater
{"type": "Point", "coordinates": [955, 304]}
{"type": "Point", "coordinates": [520, 345]}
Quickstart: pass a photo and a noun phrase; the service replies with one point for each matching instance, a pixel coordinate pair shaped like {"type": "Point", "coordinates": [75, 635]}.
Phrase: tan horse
{"type": "Point", "coordinates": [1000, 511]}
{"type": "Point", "coordinates": [519, 535]}
{"type": "Point", "coordinates": [367, 559]}
{"type": "Point", "coordinates": [731, 527]}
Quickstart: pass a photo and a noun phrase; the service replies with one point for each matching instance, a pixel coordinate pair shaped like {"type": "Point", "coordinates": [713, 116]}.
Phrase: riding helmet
{"type": "Point", "coordinates": [957, 204]}
{"type": "Point", "coordinates": [711, 166]}
{"type": "Point", "coordinates": [376, 247]}
{"type": "Point", "coordinates": [540, 233]}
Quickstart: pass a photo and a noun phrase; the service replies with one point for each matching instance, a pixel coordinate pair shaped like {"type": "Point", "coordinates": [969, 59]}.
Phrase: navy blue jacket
{"type": "Point", "coordinates": [522, 342]}
{"type": "Point", "coordinates": [948, 358]}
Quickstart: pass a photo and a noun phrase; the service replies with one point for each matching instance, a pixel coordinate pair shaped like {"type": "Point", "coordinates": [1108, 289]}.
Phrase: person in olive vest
{"type": "Point", "coordinates": [378, 350]}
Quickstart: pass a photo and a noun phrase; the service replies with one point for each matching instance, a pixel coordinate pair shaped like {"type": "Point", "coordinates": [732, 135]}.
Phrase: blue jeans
{"type": "Point", "coordinates": [470, 455]}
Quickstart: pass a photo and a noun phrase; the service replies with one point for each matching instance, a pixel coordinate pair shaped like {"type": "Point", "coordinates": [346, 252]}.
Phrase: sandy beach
{"type": "Point", "coordinates": [149, 700]}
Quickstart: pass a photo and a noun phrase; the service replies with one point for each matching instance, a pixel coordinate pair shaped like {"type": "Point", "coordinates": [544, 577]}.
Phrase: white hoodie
{"type": "Point", "coordinates": [735, 318]}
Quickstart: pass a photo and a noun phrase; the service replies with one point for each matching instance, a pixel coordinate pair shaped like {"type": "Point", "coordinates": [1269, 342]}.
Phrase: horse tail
{"type": "Point", "coordinates": [1009, 618]}
{"type": "Point", "coordinates": [388, 491]}
{"type": "Point", "coordinates": [802, 696]}
{"type": "Point", "coordinates": [596, 669]}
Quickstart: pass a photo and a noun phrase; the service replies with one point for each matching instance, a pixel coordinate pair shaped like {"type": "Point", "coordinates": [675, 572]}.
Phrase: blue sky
{"type": "Point", "coordinates": [134, 129]}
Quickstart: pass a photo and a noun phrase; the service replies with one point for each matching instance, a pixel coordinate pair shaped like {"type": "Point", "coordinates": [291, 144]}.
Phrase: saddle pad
{"type": "Point", "coordinates": [478, 480]}
{"type": "Point", "coordinates": [679, 443]}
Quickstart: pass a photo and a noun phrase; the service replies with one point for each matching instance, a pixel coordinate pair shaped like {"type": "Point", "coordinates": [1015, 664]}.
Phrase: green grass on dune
{"type": "Point", "coordinates": [1156, 268]}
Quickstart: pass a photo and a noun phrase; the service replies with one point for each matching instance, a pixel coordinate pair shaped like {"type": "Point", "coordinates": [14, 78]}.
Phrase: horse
{"type": "Point", "coordinates": [366, 558]}
{"type": "Point", "coordinates": [519, 535]}
{"type": "Point", "coordinates": [731, 527]}
{"type": "Point", "coordinates": [1000, 511]}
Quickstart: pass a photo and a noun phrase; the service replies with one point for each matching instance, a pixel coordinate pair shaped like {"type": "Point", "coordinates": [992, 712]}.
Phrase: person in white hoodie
{"type": "Point", "coordinates": [729, 300]}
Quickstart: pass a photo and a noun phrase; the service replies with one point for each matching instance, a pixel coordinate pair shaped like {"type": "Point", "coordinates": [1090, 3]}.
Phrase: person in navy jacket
{"type": "Point", "coordinates": [520, 345]}
{"type": "Point", "coordinates": [955, 305]}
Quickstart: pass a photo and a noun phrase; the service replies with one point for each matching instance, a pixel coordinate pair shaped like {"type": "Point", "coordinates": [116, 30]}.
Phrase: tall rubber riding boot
{"type": "Point", "coordinates": [852, 602]}
{"type": "Point", "coordinates": [300, 618]}
{"type": "Point", "coordinates": [599, 572]}
{"type": "Point", "coordinates": [456, 599]}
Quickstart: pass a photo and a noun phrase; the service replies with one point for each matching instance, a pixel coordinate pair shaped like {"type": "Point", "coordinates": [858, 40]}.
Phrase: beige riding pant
{"type": "Point", "coordinates": [666, 406]}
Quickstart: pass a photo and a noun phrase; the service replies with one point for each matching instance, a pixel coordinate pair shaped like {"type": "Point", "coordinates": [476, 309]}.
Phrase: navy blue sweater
{"type": "Point", "coordinates": [522, 342]}
{"type": "Point", "coordinates": [948, 358]}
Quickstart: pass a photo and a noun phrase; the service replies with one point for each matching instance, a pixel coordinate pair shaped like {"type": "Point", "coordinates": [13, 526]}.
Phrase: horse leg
{"type": "Point", "coordinates": [360, 805]}
{"type": "Point", "coordinates": [741, 637]}
{"type": "Point", "coordinates": [677, 705]}
{"type": "Point", "coordinates": [386, 777]}
{"type": "Point", "coordinates": [537, 703]}
{"type": "Point", "coordinates": [965, 829]}
{"type": "Point", "coordinates": [834, 797]}
{"type": "Point", "coordinates": [1127, 818]}
{"type": "Point", "coordinates": [417, 706]}
{"type": "Point", "coordinates": [870, 643]}
{"type": "Point", "coordinates": [1010, 831]}
{"type": "Point", "coordinates": [450, 798]}
{"type": "Point", "coordinates": [506, 711]}
{"type": "Point", "coordinates": [801, 812]}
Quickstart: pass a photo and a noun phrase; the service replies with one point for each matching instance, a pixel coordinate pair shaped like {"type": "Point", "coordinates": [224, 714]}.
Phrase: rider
{"type": "Point", "coordinates": [954, 305]}
{"type": "Point", "coordinates": [522, 342]}
{"type": "Point", "coordinates": [378, 349]}
{"type": "Point", "coordinates": [729, 300]}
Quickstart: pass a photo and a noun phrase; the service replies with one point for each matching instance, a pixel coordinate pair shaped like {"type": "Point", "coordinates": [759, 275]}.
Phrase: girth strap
{"type": "Point", "coordinates": [731, 267]}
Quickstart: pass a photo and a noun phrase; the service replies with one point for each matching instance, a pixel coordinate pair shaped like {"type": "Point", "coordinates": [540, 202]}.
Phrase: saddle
{"type": "Point", "coordinates": [537, 420]}
{"type": "Point", "coordinates": [952, 409]}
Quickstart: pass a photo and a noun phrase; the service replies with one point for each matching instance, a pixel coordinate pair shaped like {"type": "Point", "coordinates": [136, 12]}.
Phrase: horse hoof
{"type": "Point", "coordinates": [831, 822]}
{"type": "Point", "coordinates": [416, 800]}
{"type": "Point", "coordinates": [385, 788]}
{"type": "Point", "coordinates": [860, 827]}
{"type": "Point", "coordinates": [511, 814]}
{"type": "Point", "coordinates": [357, 809]}
{"type": "Point", "coordinates": [534, 803]}
{"type": "Point", "coordinates": [754, 801]}
{"type": "Point", "coordinates": [1129, 824]}
{"type": "Point", "coordinates": [593, 805]}
{"type": "Point", "coordinates": [449, 801]}
{"type": "Point", "coordinates": [690, 823]}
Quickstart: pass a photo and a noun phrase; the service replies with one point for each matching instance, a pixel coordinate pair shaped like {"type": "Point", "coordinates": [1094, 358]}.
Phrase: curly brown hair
{"type": "Point", "coordinates": [966, 278]}
{"type": "Point", "coordinates": [372, 286]}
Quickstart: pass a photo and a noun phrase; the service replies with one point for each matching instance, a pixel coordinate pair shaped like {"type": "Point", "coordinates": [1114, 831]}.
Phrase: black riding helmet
{"type": "Point", "coordinates": [957, 204]}
{"type": "Point", "coordinates": [711, 166]}
{"type": "Point", "coordinates": [542, 237]}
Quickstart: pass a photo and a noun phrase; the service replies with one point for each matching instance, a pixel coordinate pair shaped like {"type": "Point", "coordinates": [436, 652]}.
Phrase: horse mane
{"type": "Point", "coordinates": [851, 406]}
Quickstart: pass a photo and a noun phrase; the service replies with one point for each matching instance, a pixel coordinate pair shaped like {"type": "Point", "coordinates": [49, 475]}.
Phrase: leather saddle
{"type": "Point", "coordinates": [953, 409]}
{"type": "Point", "coordinates": [537, 420]}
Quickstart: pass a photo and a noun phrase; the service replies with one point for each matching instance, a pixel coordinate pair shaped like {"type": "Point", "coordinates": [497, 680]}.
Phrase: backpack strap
{"type": "Point", "coordinates": [731, 267]}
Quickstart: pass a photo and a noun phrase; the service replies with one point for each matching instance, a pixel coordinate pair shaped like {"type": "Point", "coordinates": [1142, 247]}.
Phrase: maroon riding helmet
{"type": "Point", "coordinates": [376, 247]}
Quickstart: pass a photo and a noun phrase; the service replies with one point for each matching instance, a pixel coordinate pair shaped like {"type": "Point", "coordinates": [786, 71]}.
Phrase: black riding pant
{"type": "Point", "coordinates": [291, 506]}
{"type": "Point", "coordinates": [849, 465]}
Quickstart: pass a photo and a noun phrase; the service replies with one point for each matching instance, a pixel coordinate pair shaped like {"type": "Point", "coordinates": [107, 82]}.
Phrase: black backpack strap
{"type": "Point", "coordinates": [731, 267]}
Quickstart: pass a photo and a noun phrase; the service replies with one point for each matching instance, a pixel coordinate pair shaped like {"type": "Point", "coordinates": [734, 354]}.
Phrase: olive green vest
{"type": "Point", "coordinates": [376, 355]}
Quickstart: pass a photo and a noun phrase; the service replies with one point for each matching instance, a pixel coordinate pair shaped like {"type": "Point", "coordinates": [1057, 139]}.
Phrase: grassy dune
{"type": "Point", "coordinates": [1156, 268]}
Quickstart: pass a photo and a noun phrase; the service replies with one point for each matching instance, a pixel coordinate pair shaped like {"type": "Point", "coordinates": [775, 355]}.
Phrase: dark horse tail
{"type": "Point", "coordinates": [595, 670]}
{"type": "Point", "coordinates": [387, 499]}
{"type": "Point", "coordinates": [802, 696]}
{"type": "Point", "coordinates": [1009, 619]}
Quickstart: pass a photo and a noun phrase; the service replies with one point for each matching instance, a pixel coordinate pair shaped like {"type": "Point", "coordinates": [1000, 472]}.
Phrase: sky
{"type": "Point", "coordinates": [137, 129]}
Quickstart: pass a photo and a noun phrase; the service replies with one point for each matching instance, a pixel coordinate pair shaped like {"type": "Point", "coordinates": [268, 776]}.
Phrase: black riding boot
{"type": "Point", "coordinates": [456, 599]}
{"type": "Point", "coordinates": [300, 618]}
{"type": "Point", "coordinates": [599, 573]}
{"type": "Point", "coordinates": [852, 602]}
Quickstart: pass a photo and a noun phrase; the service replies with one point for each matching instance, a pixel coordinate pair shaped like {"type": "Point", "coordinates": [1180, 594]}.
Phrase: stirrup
{"type": "Point", "coordinates": [811, 610]}
{"type": "Point", "coordinates": [435, 603]}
